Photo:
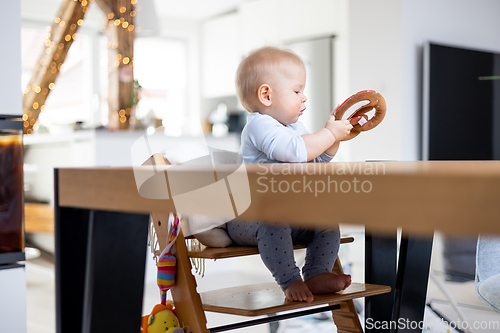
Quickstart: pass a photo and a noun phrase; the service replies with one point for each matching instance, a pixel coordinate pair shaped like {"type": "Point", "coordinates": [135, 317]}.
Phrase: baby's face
{"type": "Point", "coordinates": [288, 94]}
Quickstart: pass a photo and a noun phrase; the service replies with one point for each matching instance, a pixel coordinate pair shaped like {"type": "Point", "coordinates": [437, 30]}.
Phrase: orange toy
{"type": "Point", "coordinates": [376, 101]}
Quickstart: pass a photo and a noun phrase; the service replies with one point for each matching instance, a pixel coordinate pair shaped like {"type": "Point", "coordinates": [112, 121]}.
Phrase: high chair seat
{"type": "Point", "coordinates": [239, 251]}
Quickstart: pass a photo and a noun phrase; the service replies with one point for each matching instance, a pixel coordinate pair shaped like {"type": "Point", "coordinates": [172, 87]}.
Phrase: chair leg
{"type": "Point", "coordinates": [186, 298]}
{"type": "Point", "coordinates": [346, 318]}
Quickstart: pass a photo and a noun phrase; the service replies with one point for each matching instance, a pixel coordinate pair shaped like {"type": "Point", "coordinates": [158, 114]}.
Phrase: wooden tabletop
{"type": "Point", "coordinates": [454, 197]}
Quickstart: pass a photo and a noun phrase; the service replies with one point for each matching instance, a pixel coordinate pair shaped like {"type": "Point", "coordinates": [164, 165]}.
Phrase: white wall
{"type": "Point", "coordinates": [463, 23]}
{"type": "Point", "coordinates": [373, 57]}
{"type": "Point", "coordinates": [384, 43]}
{"type": "Point", "coordinates": [10, 60]}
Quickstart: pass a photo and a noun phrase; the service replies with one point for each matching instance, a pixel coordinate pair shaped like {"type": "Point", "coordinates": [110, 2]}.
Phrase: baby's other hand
{"type": "Point", "coordinates": [339, 128]}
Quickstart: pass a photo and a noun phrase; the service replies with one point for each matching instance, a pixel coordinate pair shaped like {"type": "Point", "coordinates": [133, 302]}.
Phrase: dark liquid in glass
{"type": "Point", "coordinates": [11, 193]}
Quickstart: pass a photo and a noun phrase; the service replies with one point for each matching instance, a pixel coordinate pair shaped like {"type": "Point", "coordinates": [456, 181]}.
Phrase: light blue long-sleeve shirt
{"type": "Point", "coordinates": [265, 140]}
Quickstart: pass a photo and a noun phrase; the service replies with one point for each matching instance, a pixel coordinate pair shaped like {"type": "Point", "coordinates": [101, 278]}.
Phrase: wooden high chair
{"type": "Point", "coordinates": [251, 300]}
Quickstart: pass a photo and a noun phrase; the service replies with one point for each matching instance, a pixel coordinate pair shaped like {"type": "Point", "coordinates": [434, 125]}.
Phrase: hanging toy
{"type": "Point", "coordinates": [167, 261]}
{"type": "Point", "coordinates": [163, 318]}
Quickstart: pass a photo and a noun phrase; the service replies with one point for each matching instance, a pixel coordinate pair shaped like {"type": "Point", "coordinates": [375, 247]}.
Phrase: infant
{"type": "Point", "coordinates": [270, 84]}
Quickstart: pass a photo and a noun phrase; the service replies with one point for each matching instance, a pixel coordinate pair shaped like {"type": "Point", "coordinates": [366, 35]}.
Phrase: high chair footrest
{"type": "Point", "coordinates": [238, 251]}
{"type": "Point", "coordinates": [268, 298]}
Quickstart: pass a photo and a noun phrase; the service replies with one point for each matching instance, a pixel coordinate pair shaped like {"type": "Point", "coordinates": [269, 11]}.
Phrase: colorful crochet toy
{"type": "Point", "coordinates": [358, 119]}
{"type": "Point", "coordinates": [167, 261]}
{"type": "Point", "coordinates": [162, 319]}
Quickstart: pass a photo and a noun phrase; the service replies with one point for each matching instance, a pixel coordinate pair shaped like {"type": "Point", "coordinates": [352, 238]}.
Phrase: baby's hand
{"type": "Point", "coordinates": [339, 128]}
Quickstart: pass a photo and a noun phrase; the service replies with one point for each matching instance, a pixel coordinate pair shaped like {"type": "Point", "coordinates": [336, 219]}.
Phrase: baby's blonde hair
{"type": "Point", "coordinates": [260, 67]}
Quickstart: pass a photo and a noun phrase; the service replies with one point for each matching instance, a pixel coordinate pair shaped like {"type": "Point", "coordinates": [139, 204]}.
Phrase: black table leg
{"type": "Point", "coordinates": [100, 260]}
{"type": "Point", "coordinates": [380, 268]}
{"type": "Point", "coordinates": [70, 266]}
{"type": "Point", "coordinates": [411, 283]}
{"type": "Point", "coordinates": [402, 310]}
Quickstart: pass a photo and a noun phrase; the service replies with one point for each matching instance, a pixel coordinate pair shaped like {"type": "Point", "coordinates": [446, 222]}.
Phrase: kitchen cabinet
{"type": "Point", "coordinates": [273, 22]}
{"type": "Point", "coordinates": [226, 39]}
{"type": "Point", "coordinates": [220, 55]}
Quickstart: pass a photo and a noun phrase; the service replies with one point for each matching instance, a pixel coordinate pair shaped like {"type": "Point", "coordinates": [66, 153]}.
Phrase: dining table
{"type": "Point", "coordinates": [102, 216]}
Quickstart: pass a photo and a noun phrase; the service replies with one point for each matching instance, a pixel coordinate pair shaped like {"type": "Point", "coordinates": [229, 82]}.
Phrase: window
{"type": "Point", "coordinates": [68, 102]}
{"type": "Point", "coordinates": [160, 66]}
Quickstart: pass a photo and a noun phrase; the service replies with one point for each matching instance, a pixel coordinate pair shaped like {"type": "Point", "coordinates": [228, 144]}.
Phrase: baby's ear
{"type": "Point", "coordinates": [264, 94]}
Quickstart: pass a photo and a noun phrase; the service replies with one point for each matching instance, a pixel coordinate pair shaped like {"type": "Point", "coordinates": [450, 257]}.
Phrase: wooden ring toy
{"type": "Point", "coordinates": [376, 101]}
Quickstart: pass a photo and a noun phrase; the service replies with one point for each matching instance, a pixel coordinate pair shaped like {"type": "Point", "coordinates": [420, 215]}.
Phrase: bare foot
{"type": "Point", "coordinates": [327, 283]}
{"type": "Point", "coordinates": [298, 291]}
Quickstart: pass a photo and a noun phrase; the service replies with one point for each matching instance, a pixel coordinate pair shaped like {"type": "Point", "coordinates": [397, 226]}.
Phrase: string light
{"type": "Point", "coordinates": [119, 19]}
{"type": "Point", "coordinates": [68, 30]}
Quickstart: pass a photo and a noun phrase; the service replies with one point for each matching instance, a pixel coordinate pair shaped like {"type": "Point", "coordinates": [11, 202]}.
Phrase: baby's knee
{"type": "Point", "coordinates": [265, 230]}
{"type": "Point", "coordinates": [331, 234]}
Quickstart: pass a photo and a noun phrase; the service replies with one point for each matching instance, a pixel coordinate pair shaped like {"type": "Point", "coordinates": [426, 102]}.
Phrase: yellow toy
{"type": "Point", "coordinates": [161, 320]}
